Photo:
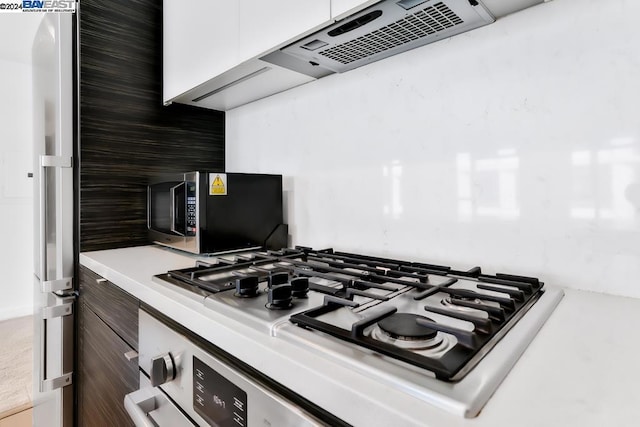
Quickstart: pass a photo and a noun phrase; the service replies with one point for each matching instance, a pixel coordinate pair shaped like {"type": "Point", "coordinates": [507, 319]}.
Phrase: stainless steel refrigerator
{"type": "Point", "coordinates": [53, 201]}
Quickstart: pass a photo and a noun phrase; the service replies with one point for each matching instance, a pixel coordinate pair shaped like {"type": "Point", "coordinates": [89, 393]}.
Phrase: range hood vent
{"type": "Point", "coordinates": [382, 30]}
{"type": "Point", "coordinates": [423, 23]}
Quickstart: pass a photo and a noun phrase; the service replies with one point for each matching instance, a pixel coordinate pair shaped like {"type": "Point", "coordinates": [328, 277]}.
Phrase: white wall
{"type": "Point", "coordinates": [16, 202]}
{"type": "Point", "coordinates": [515, 147]}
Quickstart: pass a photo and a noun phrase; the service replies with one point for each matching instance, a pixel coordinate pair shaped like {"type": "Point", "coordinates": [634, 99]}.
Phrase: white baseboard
{"type": "Point", "coordinates": [12, 312]}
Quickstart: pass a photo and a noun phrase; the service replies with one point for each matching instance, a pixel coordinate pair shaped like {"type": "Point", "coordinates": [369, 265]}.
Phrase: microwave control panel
{"type": "Point", "coordinates": [191, 209]}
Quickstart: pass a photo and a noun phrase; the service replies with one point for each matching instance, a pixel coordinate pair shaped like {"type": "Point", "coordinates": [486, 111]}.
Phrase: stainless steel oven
{"type": "Point", "coordinates": [216, 212]}
{"type": "Point", "coordinates": [187, 382]}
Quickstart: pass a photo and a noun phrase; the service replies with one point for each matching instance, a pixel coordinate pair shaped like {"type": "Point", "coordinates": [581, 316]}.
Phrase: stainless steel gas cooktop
{"type": "Point", "coordinates": [445, 336]}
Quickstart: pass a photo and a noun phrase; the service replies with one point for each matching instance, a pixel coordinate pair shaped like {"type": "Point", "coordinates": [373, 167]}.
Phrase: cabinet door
{"type": "Point", "coordinates": [200, 41]}
{"type": "Point", "coordinates": [267, 24]}
{"type": "Point", "coordinates": [105, 375]}
{"type": "Point", "coordinates": [115, 307]}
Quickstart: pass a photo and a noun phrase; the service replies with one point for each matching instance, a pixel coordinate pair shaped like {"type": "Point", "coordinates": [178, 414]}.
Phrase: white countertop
{"type": "Point", "coordinates": [582, 369]}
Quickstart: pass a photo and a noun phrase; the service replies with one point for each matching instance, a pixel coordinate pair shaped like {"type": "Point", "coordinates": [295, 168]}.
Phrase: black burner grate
{"type": "Point", "coordinates": [502, 312]}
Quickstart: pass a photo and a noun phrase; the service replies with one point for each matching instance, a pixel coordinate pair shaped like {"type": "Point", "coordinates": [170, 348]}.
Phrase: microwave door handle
{"type": "Point", "coordinates": [172, 195]}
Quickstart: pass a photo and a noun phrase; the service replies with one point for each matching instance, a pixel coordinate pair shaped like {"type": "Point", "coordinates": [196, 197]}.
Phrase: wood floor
{"type": "Point", "coordinates": [16, 366]}
{"type": "Point", "coordinates": [19, 419]}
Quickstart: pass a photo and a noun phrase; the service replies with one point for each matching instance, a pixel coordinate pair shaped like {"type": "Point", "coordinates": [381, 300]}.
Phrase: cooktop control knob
{"type": "Point", "coordinates": [279, 297]}
{"type": "Point", "coordinates": [247, 287]}
{"type": "Point", "coordinates": [162, 369]}
{"type": "Point", "coordinates": [278, 279]}
{"type": "Point", "coordinates": [299, 287]}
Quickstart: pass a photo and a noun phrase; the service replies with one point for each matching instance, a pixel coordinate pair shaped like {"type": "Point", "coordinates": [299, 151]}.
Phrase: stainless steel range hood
{"type": "Point", "coordinates": [385, 29]}
{"type": "Point", "coordinates": [374, 32]}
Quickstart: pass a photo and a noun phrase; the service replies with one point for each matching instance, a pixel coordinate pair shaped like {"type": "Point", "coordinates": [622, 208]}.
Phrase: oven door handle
{"type": "Point", "coordinates": [142, 405]}
{"type": "Point", "coordinates": [172, 195]}
{"type": "Point", "coordinates": [138, 404]}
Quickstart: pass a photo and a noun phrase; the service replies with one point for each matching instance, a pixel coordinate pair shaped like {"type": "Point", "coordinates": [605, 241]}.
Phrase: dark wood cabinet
{"type": "Point", "coordinates": [115, 307]}
{"type": "Point", "coordinates": [107, 334]}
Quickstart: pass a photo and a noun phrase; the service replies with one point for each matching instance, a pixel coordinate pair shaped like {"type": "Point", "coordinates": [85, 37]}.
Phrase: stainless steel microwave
{"type": "Point", "coordinates": [214, 212]}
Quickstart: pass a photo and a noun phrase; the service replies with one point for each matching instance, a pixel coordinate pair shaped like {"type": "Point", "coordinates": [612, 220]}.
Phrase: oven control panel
{"type": "Point", "coordinates": [216, 399]}
{"type": "Point", "coordinates": [208, 390]}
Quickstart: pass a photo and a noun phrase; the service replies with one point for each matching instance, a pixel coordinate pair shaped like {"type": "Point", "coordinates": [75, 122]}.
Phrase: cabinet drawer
{"type": "Point", "coordinates": [105, 374]}
{"type": "Point", "coordinates": [115, 307]}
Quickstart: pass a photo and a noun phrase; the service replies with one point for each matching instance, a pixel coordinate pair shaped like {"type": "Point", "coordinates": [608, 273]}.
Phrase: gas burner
{"type": "Point", "coordinates": [401, 330]}
{"type": "Point", "coordinates": [447, 302]}
{"type": "Point", "coordinates": [403, 326]}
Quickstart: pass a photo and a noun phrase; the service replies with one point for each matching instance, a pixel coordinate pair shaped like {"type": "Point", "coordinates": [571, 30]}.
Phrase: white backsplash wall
{"type": "Point", "coordinates": [515, 147]}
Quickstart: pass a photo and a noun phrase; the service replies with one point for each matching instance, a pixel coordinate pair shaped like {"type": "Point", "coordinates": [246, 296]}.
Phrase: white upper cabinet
{"type": "Point", "coordinates": [200, 41]}
{"type": "Point", "coordinates": [207, 41]}
{"type": "Point", "coordinates": [265, 25]}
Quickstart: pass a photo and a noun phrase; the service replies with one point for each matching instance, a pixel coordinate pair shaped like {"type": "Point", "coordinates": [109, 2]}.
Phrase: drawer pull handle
{"type": "Point", "coordinates": [131, 355]}
{"type": "Point", "coordinates": [101, 280]}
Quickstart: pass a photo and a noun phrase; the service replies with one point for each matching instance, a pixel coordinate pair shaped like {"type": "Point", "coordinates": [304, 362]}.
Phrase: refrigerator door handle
{"type": "Point", "coordinates": [64, 311]}
{"type": "Point", "coordinates": [55, 383]}
{"type": "Point", "coordinates": [55, 161]}
{"type": "Point", "coordinates": [47, 162]}
{"type": "Point", "coordinates": [57, 311]}
{"type": "Point", "coordinates": [63, 284]}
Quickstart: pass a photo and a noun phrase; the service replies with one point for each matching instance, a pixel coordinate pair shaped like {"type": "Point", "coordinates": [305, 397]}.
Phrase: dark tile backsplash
{"type": "Point", "coordinates": [126, 134]}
